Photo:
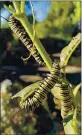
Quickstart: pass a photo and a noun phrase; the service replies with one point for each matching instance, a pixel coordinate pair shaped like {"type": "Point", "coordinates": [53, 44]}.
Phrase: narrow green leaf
{"type": "Point", "coordinates": [77, 94]}
{"type": "Point", "coordinates": [10, 9]}
{"type": "Point", "coordinates": [27, 90]}
{"type": "Point", "coordinates": [6, 7]}
{"type": "Point", "coordinates": [23, 6]}
{"type": "Point", "coordinates": [16, 5]}
{"type": "Point", "coordinates": [76, 89]}
{"type": "Point", "coordinates": [68, 50]}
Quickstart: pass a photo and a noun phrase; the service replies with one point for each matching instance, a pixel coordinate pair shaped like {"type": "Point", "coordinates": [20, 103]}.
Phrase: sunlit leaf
{"type": "Point", "coordinates": [27, 90]}
{"type": "Point", "coordinates": [76, 89]}
{"type": "Point", "coordinates": [69, 124]}
{"type": "Point", "coordinates": [56, 90]}
{"type": "Point", "coordinates": [77, 94]}
{"type": "Point", "coordinates": [68, 50]}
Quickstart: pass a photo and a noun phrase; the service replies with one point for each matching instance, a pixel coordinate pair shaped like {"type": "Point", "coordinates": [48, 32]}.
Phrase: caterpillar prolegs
{"type": "Point", "coordinates": [45, 86]}
{"type": "Point", "coordinates": [18, 29]}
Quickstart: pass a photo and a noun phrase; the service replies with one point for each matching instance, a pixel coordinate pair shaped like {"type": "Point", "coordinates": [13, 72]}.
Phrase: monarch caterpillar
{"type": "Point", "coordinates": [44, 88]}
{"type": "Point", "coordinates": [18, 29]}
{"type": "Point", "coordinates": [66, 100]}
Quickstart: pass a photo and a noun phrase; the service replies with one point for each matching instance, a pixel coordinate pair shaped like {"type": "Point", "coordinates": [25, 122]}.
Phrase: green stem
{"type": "Point", "coordinates": [22, 6]}
{"type": "Point", "coordinates": [28, 27]}
{"type": "Point", "coordinates": [36, 41]}
{"type": "Point", "coordinates": [17, 6]}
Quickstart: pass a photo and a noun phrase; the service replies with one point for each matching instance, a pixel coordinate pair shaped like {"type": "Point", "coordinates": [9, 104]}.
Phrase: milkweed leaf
{"type": "Point", "coordinates": [27, 90]}
{"type": "Point", "coordinates": [77, 94]}
{"type": "Point", "coordinates": [56, 90]}
{"type": "Point", "coordinates": [70, 126]}
{"type": "Point", "coordinates": [68, 50]}
{"type": "Point", "coordinates": [76, 89]}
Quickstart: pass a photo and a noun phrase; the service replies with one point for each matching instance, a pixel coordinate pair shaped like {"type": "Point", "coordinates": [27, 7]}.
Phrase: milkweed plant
{"type": "Point", "coordinates": [70, 108]}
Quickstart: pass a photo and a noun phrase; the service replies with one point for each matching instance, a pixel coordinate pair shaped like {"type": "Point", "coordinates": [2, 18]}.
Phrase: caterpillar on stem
{"type": "Point", "coordinates": [40, 93]}
{"type": "Point", "coordinates": [18, 29]}
{"type": "Point", "coordinates": [66, 99]}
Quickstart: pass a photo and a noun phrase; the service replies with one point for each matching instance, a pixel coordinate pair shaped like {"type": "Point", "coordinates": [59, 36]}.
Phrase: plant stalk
{"type": "Point", "coordinates": [36, 42]}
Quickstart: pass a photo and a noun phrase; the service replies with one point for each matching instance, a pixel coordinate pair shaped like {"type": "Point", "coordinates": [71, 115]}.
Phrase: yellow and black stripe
{"type": "Point", "coordinates": [66, 100]}
{"type": "Point", "coordinates": [45, 86]}
{"type": "Point", "coordinates": [18, 29]}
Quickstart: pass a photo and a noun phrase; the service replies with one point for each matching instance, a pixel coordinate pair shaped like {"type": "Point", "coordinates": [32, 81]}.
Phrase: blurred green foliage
{"type": "Point", "coordinates": [15, 121]}
{"type": "Point", "coordinates": [61, 20]}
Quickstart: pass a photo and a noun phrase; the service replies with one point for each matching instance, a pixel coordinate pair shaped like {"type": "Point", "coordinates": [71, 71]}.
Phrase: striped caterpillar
{"type": "Point", "coordinates": [18, 29]}
{"type": "Point", "coordinates": [44, 88]}
{"type": "Point", "coordinates": [66, 100]}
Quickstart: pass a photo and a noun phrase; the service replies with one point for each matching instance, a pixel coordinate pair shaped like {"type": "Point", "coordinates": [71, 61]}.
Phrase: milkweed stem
{"type": "Point", "coordinates": [36, 42]}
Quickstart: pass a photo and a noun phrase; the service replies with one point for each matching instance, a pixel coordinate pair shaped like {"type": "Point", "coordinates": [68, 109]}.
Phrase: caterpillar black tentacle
{"type": "Point", "coordinates": [66, 100]}
{"type": "Point", "coordinates": [44, 88]}
{"type": "Point", "coordinates": [18, 29]}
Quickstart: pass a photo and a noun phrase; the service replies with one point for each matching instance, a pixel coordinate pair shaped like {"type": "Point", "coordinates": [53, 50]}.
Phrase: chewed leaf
{"type": "Point", "coordinates": [27, 90]}
{"type": "Point", "coordinates": [68, 50]}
